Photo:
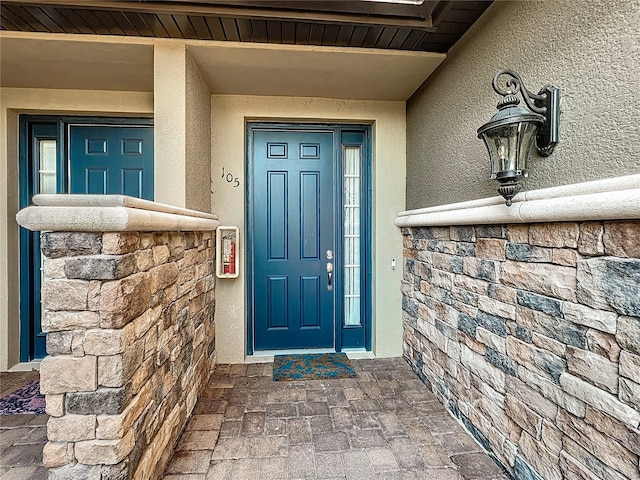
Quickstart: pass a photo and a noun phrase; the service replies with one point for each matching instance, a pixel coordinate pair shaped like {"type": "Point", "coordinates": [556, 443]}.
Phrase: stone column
{"type": "Point", "coordinates": [129, 318]}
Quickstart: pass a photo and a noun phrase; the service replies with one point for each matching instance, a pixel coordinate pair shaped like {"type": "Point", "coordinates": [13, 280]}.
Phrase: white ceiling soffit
{"type": "Point", "coordinates": [304, 71]}
{"type": "Point", "coordinates": [77, 65]}
{"type": "Point", "coordinates": [113, 63]}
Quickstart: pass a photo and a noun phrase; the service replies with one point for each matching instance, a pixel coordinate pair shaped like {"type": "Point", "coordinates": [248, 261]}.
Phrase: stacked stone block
{"type": "Point", "coordinates": [129, 319]}
{"type": "Point", "coordinates": [530, 335]}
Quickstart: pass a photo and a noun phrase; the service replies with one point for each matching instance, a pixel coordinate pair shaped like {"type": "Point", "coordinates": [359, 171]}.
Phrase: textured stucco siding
{"type": "Point", "coordinates": [182, 123]}
{"type": "Point", "coordinates": [170, 132]}
{"type": "Point", "coordinates": [198, 132]}
{"type": "Point", "coordinates": [589, 49]}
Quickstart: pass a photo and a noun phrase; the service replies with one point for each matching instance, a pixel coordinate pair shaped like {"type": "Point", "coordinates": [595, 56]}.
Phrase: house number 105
{"type": "Point", "coordinates": [230, 178]}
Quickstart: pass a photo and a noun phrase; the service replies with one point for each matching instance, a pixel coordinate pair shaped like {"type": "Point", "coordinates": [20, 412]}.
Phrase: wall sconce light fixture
{"type": "Point", "coordinates": [511, 132]}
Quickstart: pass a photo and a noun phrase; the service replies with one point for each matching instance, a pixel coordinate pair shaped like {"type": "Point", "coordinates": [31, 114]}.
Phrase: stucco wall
{"type": "Point", "coordinates": [229, 116]}
{"type": "Point", "coordinates": [57, 102]}
{"type": "Point", "coordinates": [9, 281]}
{"type": "Point", "coordinates": [182, 128]}
{"type": "Point", "coordinates": [589, 49]}
{"type": "Point", "coordinates": [169, 107]}
{"type": "Point", "coordinates": [198, 138]}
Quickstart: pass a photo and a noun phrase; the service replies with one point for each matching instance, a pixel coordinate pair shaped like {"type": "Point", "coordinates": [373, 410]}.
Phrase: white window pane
{"type": "Point", "coordinates": [47, 183]}
{"type": "Point", "coordinates": [47, 172]}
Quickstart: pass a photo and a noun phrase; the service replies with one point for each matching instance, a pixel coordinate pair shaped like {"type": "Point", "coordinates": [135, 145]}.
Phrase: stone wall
{"type": "Point", "coordinates": [530, 335]}
{"type": "Point", "coordinates": [130, 343]}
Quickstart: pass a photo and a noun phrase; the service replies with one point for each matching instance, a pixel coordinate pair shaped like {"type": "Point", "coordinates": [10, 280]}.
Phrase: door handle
{"type": "Point", "coordinates": [329, 276]}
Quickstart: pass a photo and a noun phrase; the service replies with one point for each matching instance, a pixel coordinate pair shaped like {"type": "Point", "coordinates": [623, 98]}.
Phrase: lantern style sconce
{"type": "Point", "coordinates": [511, 132]}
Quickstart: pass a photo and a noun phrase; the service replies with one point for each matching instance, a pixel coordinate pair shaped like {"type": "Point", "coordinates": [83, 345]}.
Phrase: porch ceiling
{"type": "Point", "coordinates": [351, 49]}
{"type": "Point", "coordinates": [65, 63]}
{"type": "Point", "coordinates": [107, 63]}
{"type": "Point", "coordinates": [357, 74]}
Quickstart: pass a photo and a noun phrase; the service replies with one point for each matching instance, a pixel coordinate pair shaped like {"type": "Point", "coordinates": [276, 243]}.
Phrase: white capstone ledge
{"type": "Point", "coordinates": [110, 213]}
{"type": "Point", "coordinates": [79, 200]}
{"type": "Point", "coordinates": [609, 199]}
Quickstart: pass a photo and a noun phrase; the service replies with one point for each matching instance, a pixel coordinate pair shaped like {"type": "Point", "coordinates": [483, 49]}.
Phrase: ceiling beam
{"type": "Point", "coordinates": [440, 12]}
{"type": "Point", "coordinates": [421, 20]}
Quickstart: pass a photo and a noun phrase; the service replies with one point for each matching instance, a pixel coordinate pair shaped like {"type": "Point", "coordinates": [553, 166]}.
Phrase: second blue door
{"type": "Point", "coordinates": [293, 239]}
{"type": "Point", "coordinates": [111, 159]}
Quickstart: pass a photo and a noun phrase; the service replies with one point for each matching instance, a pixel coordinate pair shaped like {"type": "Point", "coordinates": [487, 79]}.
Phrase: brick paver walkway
{"type": "Point", "coordinates": [384, 424]}
{"type": "Point", "coordinates": [21, 440]}
{"type": "Point", "coordinates": [21, 436]}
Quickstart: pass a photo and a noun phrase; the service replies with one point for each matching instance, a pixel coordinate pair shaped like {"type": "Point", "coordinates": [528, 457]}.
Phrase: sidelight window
{"type": "Point", "coordinates": [352, 180]}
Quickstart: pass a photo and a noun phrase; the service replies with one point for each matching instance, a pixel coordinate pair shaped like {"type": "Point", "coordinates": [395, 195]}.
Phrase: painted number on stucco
{"type": "Point", "coordinates": [230, 178]}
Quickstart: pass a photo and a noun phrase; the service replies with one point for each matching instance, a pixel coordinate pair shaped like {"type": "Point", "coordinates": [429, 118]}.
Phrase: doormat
{"type": "Point", "coordinates": [27, 399]}
{"type": "Point", "coordinates": [312, 366]}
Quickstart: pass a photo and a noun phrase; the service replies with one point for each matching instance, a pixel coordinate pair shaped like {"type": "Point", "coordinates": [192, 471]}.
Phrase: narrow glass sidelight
{"type": "Point", "coordinates": [352, 179]}
{"type": "Point", "coordinates": [47, 166]}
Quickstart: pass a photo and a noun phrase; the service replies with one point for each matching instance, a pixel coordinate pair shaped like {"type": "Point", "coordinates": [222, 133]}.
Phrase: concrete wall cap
{"type": "Point", "coordinates": [80, 200]}
{"type": "Point", "coordinates": [109, 219]}
{"type": "Point", "coordinates": [611, 199]}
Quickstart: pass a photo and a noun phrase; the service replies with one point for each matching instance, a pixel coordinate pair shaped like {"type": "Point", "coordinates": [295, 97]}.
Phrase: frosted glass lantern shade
{"type": "Point", "coordinates": [508, 148]}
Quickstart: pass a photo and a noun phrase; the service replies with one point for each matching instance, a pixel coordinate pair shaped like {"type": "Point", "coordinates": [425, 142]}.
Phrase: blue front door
{"type": "Point", "coordinates": [100, 159]}
{"type": "Point", "coordinates": [292, 243]}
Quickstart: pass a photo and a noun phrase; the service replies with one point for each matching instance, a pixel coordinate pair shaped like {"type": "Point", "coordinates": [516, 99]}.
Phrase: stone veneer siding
{"type": "Point", "coordinates": [530, 335]}
{"type": "Point", "coordinates": [130, 344]}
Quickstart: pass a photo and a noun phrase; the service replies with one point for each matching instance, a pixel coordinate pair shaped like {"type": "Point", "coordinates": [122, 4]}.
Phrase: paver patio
{"type": "Point", "coordinates": [21, 436]}
{"type": "Point", "coordinates": [384, 424]}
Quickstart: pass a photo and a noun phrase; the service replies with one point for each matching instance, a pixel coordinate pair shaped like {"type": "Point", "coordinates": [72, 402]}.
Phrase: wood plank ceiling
{"type": "Point", "coordinates": [423, 26]}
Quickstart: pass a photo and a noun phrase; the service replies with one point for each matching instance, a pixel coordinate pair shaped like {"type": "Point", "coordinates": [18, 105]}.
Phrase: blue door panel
{"type": "Point", "coordinates": [132, 146]}
{"type": "Point", "coordinates": [309, 213]}
{"type": "Point", "coordinates": [277, 211]}
{"type": "Point", "coordinates": [96, 146]}
{"type": "Point", "coordinates": [131, 182]}
{"type": "Point", "coordinates": [310, 293]}
{"type": "Point", "coordinates": [293, 225]}
{"type": "Point", "coordinates": [277, 301]}
{"type": "Point", "coordinates": [95, 181]}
